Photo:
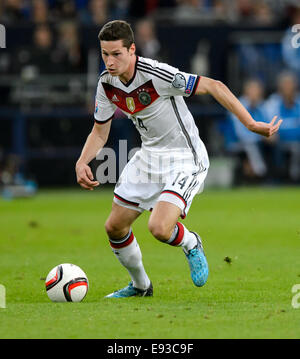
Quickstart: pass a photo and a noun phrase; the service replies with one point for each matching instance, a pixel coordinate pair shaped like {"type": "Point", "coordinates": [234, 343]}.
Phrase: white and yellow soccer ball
{"type": "Point", "coordinates": [66, 283]}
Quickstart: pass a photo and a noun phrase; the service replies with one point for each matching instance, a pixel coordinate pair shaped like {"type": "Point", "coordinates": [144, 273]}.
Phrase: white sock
{"type": "Point", "coordinates": [182, 237]}
{"type": "Point", "coordinates": [128, 252]}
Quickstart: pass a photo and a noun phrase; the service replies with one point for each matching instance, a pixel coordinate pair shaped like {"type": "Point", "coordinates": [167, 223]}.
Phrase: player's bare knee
{"type": "Point", "coordinates": [114, 230]}
{"type": "Point", "coordinates": [159, 230]}
{"type": "Point", "coordinates": [109, 228]}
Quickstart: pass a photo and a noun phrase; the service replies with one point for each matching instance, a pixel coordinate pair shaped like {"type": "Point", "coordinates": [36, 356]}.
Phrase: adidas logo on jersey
{"type": "Point", "coordinates": [115, 98]}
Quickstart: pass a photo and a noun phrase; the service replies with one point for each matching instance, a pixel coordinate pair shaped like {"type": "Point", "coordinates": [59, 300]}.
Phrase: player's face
{"type": "Point", "coordinates": [116, 56]}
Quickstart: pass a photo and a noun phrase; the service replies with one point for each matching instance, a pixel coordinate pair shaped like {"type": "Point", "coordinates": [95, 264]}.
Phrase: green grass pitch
{"type": "Point", "coordinates": [251, 238]}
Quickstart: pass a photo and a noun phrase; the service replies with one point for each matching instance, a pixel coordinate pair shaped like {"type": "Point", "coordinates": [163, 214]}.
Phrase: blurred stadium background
{"type": "Point", "coordinates": [50, 66]}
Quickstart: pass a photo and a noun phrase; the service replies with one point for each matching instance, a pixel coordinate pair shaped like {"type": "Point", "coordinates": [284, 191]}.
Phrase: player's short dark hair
{"type": "Point", "coordinates": [117, 30]}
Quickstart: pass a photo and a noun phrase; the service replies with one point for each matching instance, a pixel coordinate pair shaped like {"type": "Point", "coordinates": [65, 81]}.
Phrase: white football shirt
{"type": "Point", "coordinates": [153, 100]}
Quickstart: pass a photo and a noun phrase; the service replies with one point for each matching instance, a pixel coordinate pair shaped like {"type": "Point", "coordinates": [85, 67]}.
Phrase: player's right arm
{"type": "Point", "coordinates": [94, 143]}
{"type": "Point", "coordinates": [104, 111]}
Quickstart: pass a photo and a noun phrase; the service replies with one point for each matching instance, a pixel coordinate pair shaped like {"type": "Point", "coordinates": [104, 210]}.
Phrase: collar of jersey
{"type": "Point", "coordinates": [133, 77]}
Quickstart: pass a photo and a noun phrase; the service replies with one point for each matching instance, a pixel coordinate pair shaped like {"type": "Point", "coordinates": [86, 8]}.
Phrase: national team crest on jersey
{"type": "Point", "coordinates": [134, 101]}
{"type": "Point", "coordinates": [130, 104]}
{"type": "Point", "coordinates": [144, 98]}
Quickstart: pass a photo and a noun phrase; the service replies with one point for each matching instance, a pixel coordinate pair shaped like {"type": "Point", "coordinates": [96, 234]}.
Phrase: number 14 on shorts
{"type": "Point", "coordinates": [180, 180]}
{"type": "Point", "coordinates": [186, 186]}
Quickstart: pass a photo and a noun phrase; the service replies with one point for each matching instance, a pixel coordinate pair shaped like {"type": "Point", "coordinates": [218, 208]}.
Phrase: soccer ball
{"type": "Point", "coordinates": [66, 283]}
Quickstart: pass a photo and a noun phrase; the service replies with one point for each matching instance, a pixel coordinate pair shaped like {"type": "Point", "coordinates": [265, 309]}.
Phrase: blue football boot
{"type": "Point", "coordinates": [131, 291]}
{"type": "Point", "coordinates": [198, 263]}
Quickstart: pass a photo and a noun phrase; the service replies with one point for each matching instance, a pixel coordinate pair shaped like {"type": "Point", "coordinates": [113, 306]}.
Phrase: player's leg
{"type": "Point", "coordinates": [120, 220]}
{"type": "Point", "coordinates": [127, 250]}
{"type": "Point", "coordinates": [163, 224]}
{"type": "Point", "coordinates": [174, 201]}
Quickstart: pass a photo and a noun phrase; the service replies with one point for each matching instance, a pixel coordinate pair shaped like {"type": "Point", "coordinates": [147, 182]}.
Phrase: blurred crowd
{"type": "Point", "coordinates": [57, 44]}
{"type": "Point", "coordinates": [96, 12]}
{"type": "Point", "coordinates": [58, 51]}
{"type": "Point", "coordinates": [267, 160]}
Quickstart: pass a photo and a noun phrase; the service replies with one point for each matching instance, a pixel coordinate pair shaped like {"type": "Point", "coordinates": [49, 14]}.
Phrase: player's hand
{"type": "Point", "coordinates": [267, 129]}
{"type": "Point", "coordinates": [85, 176]}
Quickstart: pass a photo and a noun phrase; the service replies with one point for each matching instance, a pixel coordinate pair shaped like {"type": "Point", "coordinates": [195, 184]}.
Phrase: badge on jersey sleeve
{"type": "Point", "coordinates": [179, 81]}
{"type": "Point", "coordinates": [130, 104]}
{"type": "Point", "coordinates": [190, 85]}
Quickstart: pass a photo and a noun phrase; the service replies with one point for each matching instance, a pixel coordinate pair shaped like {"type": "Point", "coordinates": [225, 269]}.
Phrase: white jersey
{"type": "Point", "coordinates": [153, 100]}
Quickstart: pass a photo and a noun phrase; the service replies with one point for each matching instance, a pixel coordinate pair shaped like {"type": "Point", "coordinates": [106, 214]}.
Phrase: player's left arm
{"type": "Point", "coordinates": [228, 100]}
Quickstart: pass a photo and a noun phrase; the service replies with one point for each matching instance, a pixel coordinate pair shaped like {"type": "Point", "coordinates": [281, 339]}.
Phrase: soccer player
{"type": "Point", "coordinates": [171, 166]}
